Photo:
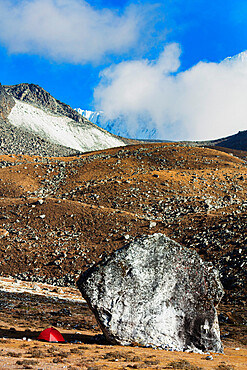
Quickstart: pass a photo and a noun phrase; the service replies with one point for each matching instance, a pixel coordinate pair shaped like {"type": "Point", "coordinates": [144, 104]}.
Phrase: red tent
{"type": "Point", "coordinates": [51, 335]}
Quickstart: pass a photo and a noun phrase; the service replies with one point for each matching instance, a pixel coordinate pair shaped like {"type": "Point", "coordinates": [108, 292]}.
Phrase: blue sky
{"type": "Point", "coordinates": [80, 52]}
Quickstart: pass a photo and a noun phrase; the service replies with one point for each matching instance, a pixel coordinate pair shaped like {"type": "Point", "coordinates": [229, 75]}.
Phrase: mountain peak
{"type": "Point", "coordinates": [241, 57]}
{"type": "Point", "coordinates": [29, 112]}
{"type": "Point", "coordinates": [36, 95]}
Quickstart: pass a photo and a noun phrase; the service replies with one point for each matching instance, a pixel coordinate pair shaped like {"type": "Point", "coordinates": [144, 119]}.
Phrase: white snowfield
{"type": "Point", "coordinates": [60, 129]}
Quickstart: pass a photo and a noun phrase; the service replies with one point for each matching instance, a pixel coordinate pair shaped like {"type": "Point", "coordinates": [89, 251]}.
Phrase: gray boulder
{"type": "Point", "coordinates": [154, 292]}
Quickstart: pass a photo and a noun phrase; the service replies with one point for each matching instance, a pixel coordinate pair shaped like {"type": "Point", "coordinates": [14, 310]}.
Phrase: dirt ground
{"type": "Point", "coordinates": [34, 307]}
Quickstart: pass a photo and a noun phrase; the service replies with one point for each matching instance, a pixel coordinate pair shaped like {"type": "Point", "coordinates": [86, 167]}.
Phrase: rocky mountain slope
{"type": "Point", "coordinates": [42, 125]}
{"type": "Point", "coordinates": [237, 141]}
{"type": "Point", "coordinates": [35, 123]}
{"type": "Point", "coordinates": [37, 96]}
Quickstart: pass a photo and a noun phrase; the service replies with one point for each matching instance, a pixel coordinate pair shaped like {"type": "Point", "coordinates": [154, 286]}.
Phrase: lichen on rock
{"type": "Point", "coordinates": [154, 292]}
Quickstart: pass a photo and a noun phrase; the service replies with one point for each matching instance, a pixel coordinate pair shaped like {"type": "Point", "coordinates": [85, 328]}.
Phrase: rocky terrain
{"type": "Point", "coordinates": [16, 140]}
{"type": "Point", "coordinates": [196, 196]}
{"type": "Point", "coordinates": [37, 96]}
{"type": "Point", "coordinates": [6, 103]}
{"type": "Point", "coordinates": [61, 215]}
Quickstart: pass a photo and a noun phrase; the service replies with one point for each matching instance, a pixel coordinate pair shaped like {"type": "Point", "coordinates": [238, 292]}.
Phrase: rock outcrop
{"type": "Point", "coordinates": [154, 292]}
{"type": "Point", "coordinates": [6, 103]}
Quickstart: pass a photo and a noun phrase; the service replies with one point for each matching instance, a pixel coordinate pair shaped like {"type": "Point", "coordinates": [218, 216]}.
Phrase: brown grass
{"type": "Point", "coordinates": [27, 363]}
{"type": "Point", "coordinates": [183, 364]}
{"type": "Point", "coordinates": [224, 366]}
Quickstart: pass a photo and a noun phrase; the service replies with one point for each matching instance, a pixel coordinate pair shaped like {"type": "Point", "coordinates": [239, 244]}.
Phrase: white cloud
{"type": "Point", "coordinates": [205, 102]}
{"type": "Point", "coordinates": [67, 30]}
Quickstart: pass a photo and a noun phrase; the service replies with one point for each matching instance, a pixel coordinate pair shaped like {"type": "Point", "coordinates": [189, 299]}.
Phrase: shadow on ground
{"type": "Point", "coordinates": [12, 333]}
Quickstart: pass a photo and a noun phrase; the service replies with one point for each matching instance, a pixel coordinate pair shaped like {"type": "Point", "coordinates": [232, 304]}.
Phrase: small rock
{"type": "Point", "coordinates": [40, 201]}
{"type": "Point", "coordinates": [152, 224]}
{"type": "Point", "coordinates": [36, 287]}
{"type": "Point", "coordinates": [3, 233]}
{"type": "Point", "coordinates": [209, 358]}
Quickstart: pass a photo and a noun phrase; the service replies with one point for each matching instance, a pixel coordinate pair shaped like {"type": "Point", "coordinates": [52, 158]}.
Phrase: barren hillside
{"type": "Point", "coordinates": [61, 215]}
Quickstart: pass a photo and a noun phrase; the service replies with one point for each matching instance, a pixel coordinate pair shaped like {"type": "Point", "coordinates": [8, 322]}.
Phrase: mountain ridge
{"type": "Point", "coordinates": [36, 95]}
{"type": "Point", "coordinates": [236, 141]}
{"type": "Point", "coordinates": [66, 139]}
{"type": "Point", "coordinates": [29, 109]}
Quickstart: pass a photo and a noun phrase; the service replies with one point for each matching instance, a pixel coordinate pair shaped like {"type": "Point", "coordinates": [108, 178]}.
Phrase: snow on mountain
{"type": "Point", "coordinates": [90, 115]}
{"type": "Point", "coordinates": [61, 130]}
{"type": "Point", "coordinates": [140, 125]}
{"type": "Point", "coordinates": [241, 57]}
{"type": "Point", "coordinates": [121, 126]}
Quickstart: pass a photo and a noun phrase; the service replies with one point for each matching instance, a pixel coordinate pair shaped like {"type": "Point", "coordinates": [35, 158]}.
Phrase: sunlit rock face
{"type": "Point", "coordinates": [154, 292]}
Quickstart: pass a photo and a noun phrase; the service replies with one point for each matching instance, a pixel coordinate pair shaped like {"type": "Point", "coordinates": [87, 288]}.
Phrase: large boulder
{"type": "Point", "coordinates": [154, 292]}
